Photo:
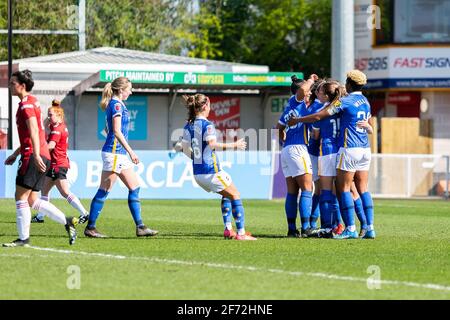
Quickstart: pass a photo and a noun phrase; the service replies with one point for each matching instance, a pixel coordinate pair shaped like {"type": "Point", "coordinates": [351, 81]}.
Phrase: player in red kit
{"type": "Point", "coordinates": [34, 162]}
{"type": "Point", "coordinates": [58, 143]}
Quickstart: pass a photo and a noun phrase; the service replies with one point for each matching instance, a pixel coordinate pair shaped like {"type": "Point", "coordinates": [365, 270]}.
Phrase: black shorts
{"type": "Point", "coordinates": [57, 173]}
{"type": "Point", "coordinates": [29, 176]}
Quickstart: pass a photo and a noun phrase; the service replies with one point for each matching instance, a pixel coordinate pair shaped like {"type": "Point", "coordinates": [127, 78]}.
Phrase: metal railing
{"type": "Point", "coordinates": [409, 175]}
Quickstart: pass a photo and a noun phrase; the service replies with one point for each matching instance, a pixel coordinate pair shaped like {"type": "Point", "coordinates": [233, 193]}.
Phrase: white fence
{"type": "Point", "coordinates": [406, 176]}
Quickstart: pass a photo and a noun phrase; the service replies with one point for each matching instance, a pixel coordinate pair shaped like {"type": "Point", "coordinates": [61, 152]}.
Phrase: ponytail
{"type": "Point", "coordinates": [106, 96]}
{"type": "Point", "coordinates": [334, 91]}
{"type": "Point", "coordinates": [296, 84]}
{"type": "Point", "coordinates": [120, 83]}
{"type": "Point", "coordinates": [338, 93]}
{"type": "Point", "coordinates": [194, 104]}
{"type": "Point", "coordinates": [189, 102]}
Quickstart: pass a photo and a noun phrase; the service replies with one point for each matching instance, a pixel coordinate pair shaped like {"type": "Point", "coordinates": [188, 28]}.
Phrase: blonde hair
{"type": "Point", "coordinates": [120, 83]}
{"type": "Point", "coordinates": [57, 109]}
{"type": "Point", "coordinates": [357, 77]}
{"type": "Point", "coordinates": [194, 104]}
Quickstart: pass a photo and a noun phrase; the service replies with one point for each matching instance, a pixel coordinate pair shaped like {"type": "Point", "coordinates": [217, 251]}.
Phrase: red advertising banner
{"type": "Point", "coordinates": [226, 115]}
{"type": "Point", "coordinates": [412, 98]}
{"type": "Point", "coordinates": [4, 74]}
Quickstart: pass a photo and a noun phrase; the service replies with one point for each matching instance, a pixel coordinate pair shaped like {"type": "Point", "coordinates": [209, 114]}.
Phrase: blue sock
{"type": "Point", "coordinates": [238, 214]}
{"type": "Point", "coordinates": [315, 211]}
{"type": "Point", "coordinates": [226, 212]}
{"type": "Point", "coordinates": [337, 218]}
{"type": "Point", "coordinates": [360, 213]}
{"type": "Point", "coordinates": [135, 206]}
{"type": "Point", "coordinates": [305, 206]}
{"type": "Point", "coordinates": [348, 209]}
{"type": "Point", "coordinates": [367, 202]}
{"type": "Point", "coordinates": [96, 207]}
{"type": "Point", "coordinates": [290, 206]}
{"type": "Point", "coordinates": [326, 212]}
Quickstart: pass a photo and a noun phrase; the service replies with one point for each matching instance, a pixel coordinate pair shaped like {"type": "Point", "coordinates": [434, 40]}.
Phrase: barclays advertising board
{"type": "Point", "coordinates": [161, 174]}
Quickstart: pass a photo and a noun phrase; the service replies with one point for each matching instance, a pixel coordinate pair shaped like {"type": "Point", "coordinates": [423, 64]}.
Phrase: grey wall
{"type": "Point", "coordinates": [85, 137]}
{"type": "Point", "coordinates": [252, 116]}
{"type": "Point", "coordinates": [157, 125]}
{"type": "Point", "coordinates": [86, 131]}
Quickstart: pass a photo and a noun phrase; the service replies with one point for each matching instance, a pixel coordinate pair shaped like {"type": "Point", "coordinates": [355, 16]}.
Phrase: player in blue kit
{"type": "Point", "coordinates": [314, 150]}
{"type": "Point", "coordinates": [115, 160]}
{"type": "Point", "coordinates": [295, 159]}
{"type": "Point", "coordinates": [354, 155]}
{"type": "Point", "coordinates": [327, 130]}
{"type": "Point", "coordinates": [199, 143]}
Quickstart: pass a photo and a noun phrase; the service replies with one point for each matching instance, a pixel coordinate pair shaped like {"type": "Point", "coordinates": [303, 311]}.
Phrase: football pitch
{"type": "Point", "coordinates": [190, 260]}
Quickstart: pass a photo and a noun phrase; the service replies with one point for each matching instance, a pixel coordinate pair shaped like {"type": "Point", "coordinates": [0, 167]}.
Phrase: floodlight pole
{"type": "Point", "coordinates": [343, 41]}
{"type": "Point", "coordinates": [82, 25]}
{"type": "Point", "coordinates": [10, 115]}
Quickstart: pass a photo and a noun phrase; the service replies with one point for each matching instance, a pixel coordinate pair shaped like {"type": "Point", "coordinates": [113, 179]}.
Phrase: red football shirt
{"type": "Point", "coordinates": [60, 135]}
{"type": "Point", "coordinates": [29, 107]}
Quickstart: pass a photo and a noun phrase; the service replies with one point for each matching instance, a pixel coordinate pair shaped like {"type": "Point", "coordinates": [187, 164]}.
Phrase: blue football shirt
{"type": "Point", "coordinates": [116, 108]}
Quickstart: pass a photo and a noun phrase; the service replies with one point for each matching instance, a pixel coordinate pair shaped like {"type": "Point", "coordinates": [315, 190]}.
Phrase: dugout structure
{"type": "Point", "coordinates": [159, 81]}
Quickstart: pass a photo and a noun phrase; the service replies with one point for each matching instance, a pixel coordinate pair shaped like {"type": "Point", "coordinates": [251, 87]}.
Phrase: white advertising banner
{"type": "Point", "coordinates": [406, 67]}
{"type": "Point", "coordinates": [397, 67]}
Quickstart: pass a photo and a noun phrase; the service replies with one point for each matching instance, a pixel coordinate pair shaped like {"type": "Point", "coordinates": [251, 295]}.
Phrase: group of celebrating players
{"type": "Point", "coordinates": [324, 132]}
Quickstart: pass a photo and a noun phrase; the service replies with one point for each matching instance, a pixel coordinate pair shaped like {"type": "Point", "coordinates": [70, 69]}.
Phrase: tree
{"type": "Point", "coordinates": [203, 35]}
{"type": "Point", "coordinates": [38, 15]}
{"type": "Point", "coordinates": [141, 25]}
{"type": "Point", "coordinates": [314, 43]}
{"type": "Point", "coordinates": [286, 35]}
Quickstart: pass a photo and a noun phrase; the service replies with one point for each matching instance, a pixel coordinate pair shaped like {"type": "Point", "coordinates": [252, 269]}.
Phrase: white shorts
{"type": "Point", "coordinates": [354, 159]}
{"type": "Point", "coordinates": [116, 162]}
{"type": "Point", "coordinates": [215, 182]}
{"type": "Point", "coordinates": [327, 165]}
{"type": "Point", "coordinates": [295, 161]}
{"type": "Point", "coordinates": [315, 167]}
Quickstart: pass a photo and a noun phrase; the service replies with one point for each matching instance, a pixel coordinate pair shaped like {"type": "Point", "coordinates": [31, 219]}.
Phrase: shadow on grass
{"type": "Point", "coordinates": [7, 222]}
{"type": "Point", "coordinates": [198, 236]}
{"type": "Point", "coordinates": [271, 236]}
{"type": "Point", "coordinates": [180, 236]}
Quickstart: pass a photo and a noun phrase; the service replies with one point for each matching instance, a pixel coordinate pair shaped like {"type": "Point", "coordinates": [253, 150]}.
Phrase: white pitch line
{"type": "Point", "coordinates": [431, 286]}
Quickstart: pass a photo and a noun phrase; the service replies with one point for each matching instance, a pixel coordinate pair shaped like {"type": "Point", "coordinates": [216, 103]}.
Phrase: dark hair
{"type": "Point", "coordinates": [354, 86]}
{"type": "Point", "coordinates": [296, 84]}
{"type": "Point", "coordinates": [334, 90]}
{"type": "Point", "coordinates": [25, 77]}
{"type": "Point", "coordinates": [194, 104]}
{"type": "Point", "coordinates": [314, 88]}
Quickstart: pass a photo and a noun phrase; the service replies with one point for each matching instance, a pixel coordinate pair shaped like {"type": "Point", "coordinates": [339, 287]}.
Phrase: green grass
{"type": "Point", "coordinates": [191, 260]}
